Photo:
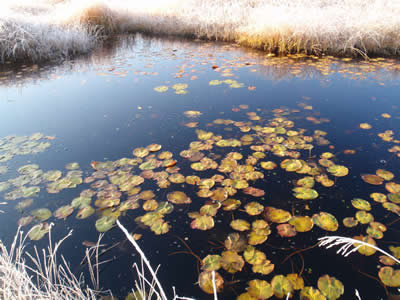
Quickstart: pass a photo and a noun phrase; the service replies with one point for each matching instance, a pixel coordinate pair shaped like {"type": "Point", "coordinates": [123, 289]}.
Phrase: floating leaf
{"type": "Point", "coordinates": [206, 282]}
{"type": "Point", "coordinates": [254, 208]}
{"type": "Point", "coordinates": [23, 221]}
{"type": "Point", "coordinates": [387, 175]}
{"type": "Point", "coordinates": [159, 226]}
{"type": "Point", "coordinates": [338, 171]}
{"type": "Point", "coordinates": [85, 212]}
{"type": "Point", "coordinates": [178, 197]}
{"type": "Point", "coordinates": [372, 179]}
{"type": "Point", "coordinates": [140, 152]}
{"type": "Point", "coordinates": [296, 281]}
{"type": "Point", "coordinates": [282, 286]}
{"type": "Point", "coordinates": [105, 223]}
{"type": "Point", "coordinates": [363, 217]}
{"type": "Point", "coordinates": [161, 88]}
{"type": "Point", "coordinates": [38, 231]}
{"type": "Point", "coordinates": [326, 221]}
{"type": "Point", "coordinates": [395, 198]}
{"type": "Point", "coordinates": [211, 263]}
{"type": "Point", "coordinates": [365, 126]}
{"type": "Point", "coordinates": [302, 223]}
{"type": "Point", "coordinates": [389, 277]}
{"type": "Point", "coordinates": [72, 166]}
{"type": "Point", "coordinates": [240, 225]}
{"type": "Point", "coordinates": [231, 261]}
{"type": "Point", "coordinates": [260, 289]}
{"type": "Point", "coordinates": [395, 251]}
{"type": "Point", "coordinates": [192, 113]}
{"type": "Point", "coordinates": [330, 287]}
{"type": "Point", "coordinates": [253, 256]}
{"type": "Point", "coordinates": [41, 213]}
{"type": "Point", "coordinates": [305, 193]}
{"type": "Point", "coordinates": [268, 165]}
{"type": "Point", "coordinates": [378, 197]}
{"type": "Point", "coordinates": [275, 215]}
{"type": "Point", "coordinates": [365, 250]}
{"type": "Point", "coordinates": [361, 204]}
{"type": "Point", "coordinates": [350, 222]}
{"type": "Point", "coordinates": [286, 230]}
{"type": "Point", "coordinates": [306, 182]}
{"type": "Point", "coordinates": [309, 293]}
{"type": "Point", "coordinates": [153, 147]}
{"type": "Point", "coordinates": [259, 236]}
{"type": "Point", "coordinates": [202, 223]}
{"type": "Point", "coordinates": [63, 212]}
{"type": "Point", "coordinates": [393, 187]}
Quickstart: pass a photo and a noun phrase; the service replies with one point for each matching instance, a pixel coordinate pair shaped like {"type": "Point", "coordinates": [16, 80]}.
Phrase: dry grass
{"type": "Point", "coordinates": [53, 29]}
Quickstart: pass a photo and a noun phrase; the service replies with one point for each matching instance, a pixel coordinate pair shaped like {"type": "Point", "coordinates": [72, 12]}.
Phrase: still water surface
{"type": "Point", "coordinates": [102, 107]}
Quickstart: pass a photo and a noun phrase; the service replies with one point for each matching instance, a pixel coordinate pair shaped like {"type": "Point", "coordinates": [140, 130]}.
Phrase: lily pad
{"type": "Point", "coordinates": [63, 212]}
{"type": "Point", "coordinates": [389, 276]}
{"type": "Point", "coordinates": [260, 289]}
{"type": "Point", "coordinates": [326, 221]}
{"type": "Point", "coordinates": [231, 261]}
{"type": "Point", "coordinates": [206, 282]}
{"type": "Point", "coordinates": [276, 215]}
{"type": "Point", "coordinates": [254, 208]}
{"type": "Point", "coordinates": [387, 175]}
{"type": "Point", "coordinates": [361, 204]}
{"type": "Point", "coordinates": [330, 287]}
{"type": "Point", "coordinates": [305, 193]}
{"type": "Point", "coordinates": [105, 223]}
{"type": "Point", "coordinates": [350, 222]}
{"type": "Point", "coordinates": [211, 263]}
{"type": "Point", "coordinates": [309, 293]}
{"type": "Point", "coordinates": [240, 225]}
{"type": "Point", "coordinates": [296, 280]}
{"type": "Point", "coordinates": [202, 223]}
{"type": "Point", "coordinates": [84, 212]}
{"type": "Point", "coordinates": [253, 256]}
{"type": "Point", "coordinates": [338, 171]}
{"type": "Point", "coordinates": [372, 179]}
{"type": "Point", "coordinates": [282, 286]}
{"type": "Point", "coordinates": [72, 166]}
{"type": "Point", "coordinates": [286, 230]}
{"type": "Point", "coordinates": [38, 231]}
{"type": "Point", "coordinates": [365, 250]}
{"type": "Point", "coordinates": [178, 197]}
{"type": "Point", "coordinates": [41, 213]}
{"type": "Point", "coordinates": [393, 187]}
{"type": "Point", "coordinates": [302, 223]}
{"type": "Point", "coordinates": [363, 217]}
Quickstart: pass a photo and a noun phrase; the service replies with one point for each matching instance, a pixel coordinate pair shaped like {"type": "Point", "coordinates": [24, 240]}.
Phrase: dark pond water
{"type": "Point", "coordinates": [102, 107]}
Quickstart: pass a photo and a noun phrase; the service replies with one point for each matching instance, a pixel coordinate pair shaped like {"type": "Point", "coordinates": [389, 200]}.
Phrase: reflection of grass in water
{"type": "Point", "coordinates": [53, 29]}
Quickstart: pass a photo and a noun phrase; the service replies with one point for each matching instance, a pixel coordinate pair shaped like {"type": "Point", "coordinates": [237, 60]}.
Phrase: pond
{"type": "Point", "coordinates": [215, 157]}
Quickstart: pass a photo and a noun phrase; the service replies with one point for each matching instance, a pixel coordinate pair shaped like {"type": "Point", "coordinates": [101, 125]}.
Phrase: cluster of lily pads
{"type": "Point", "coordinates": [226, 181]}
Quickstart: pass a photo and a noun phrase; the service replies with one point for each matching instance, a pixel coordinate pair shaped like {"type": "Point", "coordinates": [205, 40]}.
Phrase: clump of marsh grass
{"type": "Point", "coordinates": [43, 278]}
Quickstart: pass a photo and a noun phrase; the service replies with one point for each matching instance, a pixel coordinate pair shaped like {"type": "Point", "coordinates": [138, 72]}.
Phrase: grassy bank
{"type": "Point", "coordinates": [54, 29]}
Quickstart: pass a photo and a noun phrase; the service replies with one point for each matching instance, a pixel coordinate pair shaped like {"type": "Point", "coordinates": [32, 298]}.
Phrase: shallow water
{"type": "Point", "coordinates": [102, 107]}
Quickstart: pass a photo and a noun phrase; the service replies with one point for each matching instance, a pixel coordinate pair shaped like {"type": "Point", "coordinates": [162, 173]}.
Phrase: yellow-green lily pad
{"type": "Point", "coordinates": [330, 287]}
{"type": "Point", "coordinates": [326, 221]}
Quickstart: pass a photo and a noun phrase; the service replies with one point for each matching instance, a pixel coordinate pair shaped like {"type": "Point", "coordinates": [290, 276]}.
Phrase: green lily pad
{"type": "Point", "coordinates": [338, 171]}
{"type": "Point", "coordinates": [164, 208]}
{"type": "Point", "coordinates": [80, 202]}
{"type": "Point", "coordinates": [326, 221]}
{"type": "Point", "coordinates": [105, 223]}
{"type": "Point", "coordinates": [140, 152]}
{"type": "Point", "coordinates": [260, 289]}
{"type": "Point", "coordinates": [23, 221]}
{"type": "Point", "coordinates": [84, 212]}
{"type": "Point", "coordinates": [309, 293]}
{"type": "Point", "coordinates": [378, 197]}
{"type": "Point", "coordinates": [63, 212]}
{"type": "Point", "coordinates": [211, 263]}
{"type": "Point", "coordinates": [231, 204]}
{"type": "Point", "coordinates": [305, 193]}
{"type": "Point", "coordinates": [41, 213]}
{"type": "Point", "coordinates": [24, 204]}
{"type": "Point", "coordinates": [231, 261]}
{"type": "Point", "coordinates": [389, 277]}
{"type": "Point", "coordinates": [38, 231]}
{"type": "Point", "coordinates": [28, 169]}
{"type": "Point", "coordinates": [291, 165]}
{"type": "Point", "coordinates": [330, 287]}
{"type": "Point", "coordinates": [364, 217]}
{"type": "Point", "coordinates": [395, 198]}
{"type": "Point", "coordinates": [159, 226]}
{"type": "Point", "coordinates": [72, 166]}
{"type": "Point", "coordinates": [52, 175]}
{"type": "Point", "coordinates": [4, 186]}
{"type": "Point", "coordinates": [282, 286]}
{"type": "Point", "coordinates": [361, 204]}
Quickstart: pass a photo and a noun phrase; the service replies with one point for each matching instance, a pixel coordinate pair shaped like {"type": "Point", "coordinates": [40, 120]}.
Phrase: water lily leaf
{"type": "Point", "coordinates": [24, 204]}
{"type": "Point", "coordinates": [192, 113]}
{"type": "Point", "coordinates": [240, 225]}
{"type": "Point", "coordinates": [178, 197]}
{"type": "Point", "coordinates": [309, 293]}
{"type": "Point", "coordinates": [296, 281]}
{"type": "Point", "coordinates": [63, 212]}
{"type": "Point", "coordinates": [206, 282]}
{"type": "Point", "coordinates": [80, 202]}
{"type": "Point", "coordinates": [387, 175]}
{"type": "Point", "coordinates": [305, 193]}
{"type": "Point", "coordinates": [254, 192]}
{"type": "Point", "coordinates": [84, 212]}
{"type": "Point", "coordinates": [210, 209]}
{"type": "Point", "coordinates": [264, 268]}
{"type": "Point", "coordinates": [245, 296]}
{"type": "Point", "coordinates": [372, 179]}
{"type": "Point", "coordinates": [259, 236]}
{"type": "Point", "coordinates": [231, 204]}
{"type": "Point", "coordinates": [41, 213]}
{"type": "Point", "coordinates": [140, 152]}
{"type": "Point", "coordinates": [386, 260]}
{"type": "Point", "coordinates": [286, 230]}
{"type": "Point", "coordinates": [254, 256]}
{"type": "Point", "coordinates": [231, 261]}
{"type": "Point", "coordinates": [378, 197]}
{"type": "Point", "coordinates": [363, 217]}
{"type": "Point", "coordinates": [38, 231]}
{"type": "Point", "coordinates": [395, 251]}
{"type": "Point", "coordinates": [330, 287]}
{"type": "Point", "coordinates": [254, 208]}
{"type": "Point", "coordinates": [395, 198]}
{"type": "Point", "coordinates": [291, 165]}
{"type": "Point", "coordinates": [23, 221]}
{"type": "Point", "coordinates": [374, 232]}
{"type": "Point", "coordinates": [219, 194]}
{"type": "Point", "coordinates": [326, 162]}
{"type": "Point", "coordinates": [302, 223]}
{"type": "Point", "coordinates": [30, 191]}
{"type": "Point", "coordinates": [268, 165]}
{"type": "Point", "coordinates": [361, 204]}
{"type": "Point", "coordinates": [211, 263]}
{"type": "Point", "coordinates": [260, 289]}
{"type": "Point", "coordinates": [52, 175]}
{"type": "Point", "coordinates": [276, 215]}
{"type": "Point", "coordinates": [72, 166]}
{"type": "Point", "coordinates": [154, 147]}
{"type": "Point", "coordinates": [165, 208]}
{"type": "Point", "coordinates": [306, 182]}
{"type": "Point", "coordinates": [393, 187]}
{"type": "Point", "coordinates": [105, 223]}
{"type": "Point", "coordinates": [350, 222]}
{"type": "Point", "coordinates": [4, 186]}
{"type": "Point", "coordinates": [365, 250]}
{"type": "Point", "coordinates": [192, 179]}
{"type": "Point", "coordinates": [365, 126]}
{"type": "Point", "coordinates": [28, 169]}
{"type": "Point", "coordinates": [202, 223]}
{"type": "Point", "coordinates": [161, 88]}
{"type": "Point", "coordinates": [326, 221]}
{"type": "Point", "coordinates": [389, 277]}
{"type": "Point", "coordinates": [338, 171]}
{"type": "Point", "coordinates": [392, 207]}
{"type": "Point", "coordinates": [159, 226]}
{"type": "Point", "coordinates": [150, 205]}
{"type": "Point", "coordinates": [150, 164]}
{"type": "Point", "coordinates": [282, 286]}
